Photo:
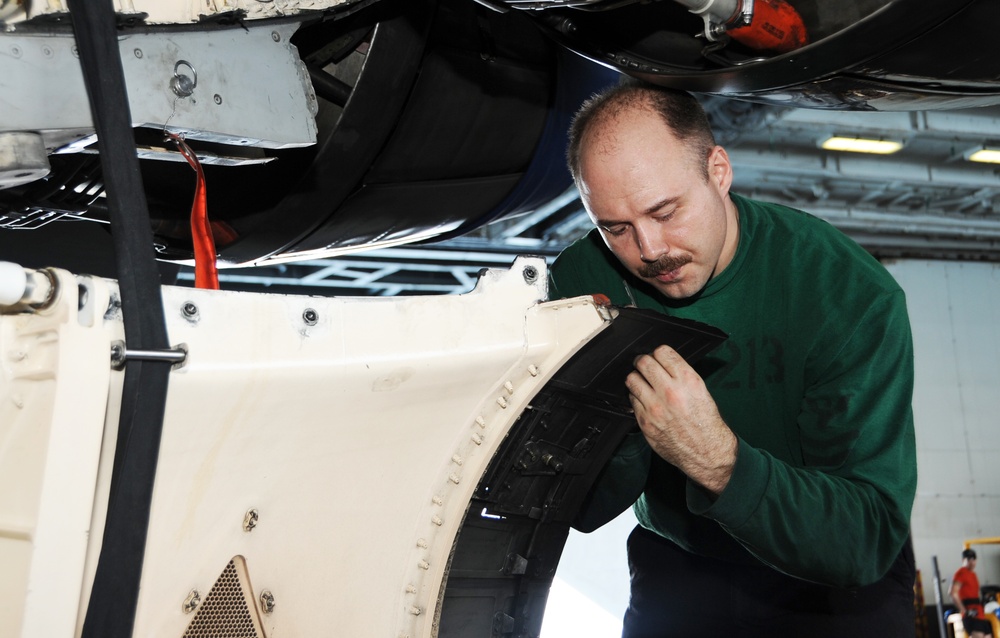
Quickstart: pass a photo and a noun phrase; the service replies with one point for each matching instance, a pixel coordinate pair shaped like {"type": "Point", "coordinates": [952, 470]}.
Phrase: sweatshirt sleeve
{"type": "Point", "coordinates": [841, 517]}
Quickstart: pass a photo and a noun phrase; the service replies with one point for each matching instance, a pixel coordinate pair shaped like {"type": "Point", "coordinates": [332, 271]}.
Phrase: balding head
{"type": "Point", "coordinates": [678, 110]}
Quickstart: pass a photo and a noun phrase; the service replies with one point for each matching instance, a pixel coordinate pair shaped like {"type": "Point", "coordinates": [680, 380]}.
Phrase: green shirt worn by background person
{"type": "Point", "coordinates": [816, 381]}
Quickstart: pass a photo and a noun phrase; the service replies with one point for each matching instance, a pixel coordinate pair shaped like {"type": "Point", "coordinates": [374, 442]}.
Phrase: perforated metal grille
{"type": "Point", "coordinates": [227, 611]}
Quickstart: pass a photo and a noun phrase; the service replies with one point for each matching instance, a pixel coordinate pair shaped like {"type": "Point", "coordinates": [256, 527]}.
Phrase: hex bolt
{"type": "Point", "coordinates": [310, 316]}
{"type": "Point", "coordinates": [192, 601]}
{"type": "Point", "coordinates": [530, 274]}
{"type": "Point", "coordinates": [266, 601]}
{"type": "Point", "coordinates": [250, 520]}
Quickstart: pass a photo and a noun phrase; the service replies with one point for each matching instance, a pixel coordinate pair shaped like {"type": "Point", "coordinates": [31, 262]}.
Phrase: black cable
{"type": "Point", "coordinates": [111, 612]}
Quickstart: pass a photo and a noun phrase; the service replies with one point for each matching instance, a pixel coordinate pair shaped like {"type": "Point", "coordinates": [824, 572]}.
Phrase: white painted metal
{"type": "Point", "coordinates": [177, 11]}
{"type": "Point", "coordinates": [54, 385]}
{"type": "Point", "coordinates": [356, 428]}
{"type": "Point", "coordinates": [250, 87]}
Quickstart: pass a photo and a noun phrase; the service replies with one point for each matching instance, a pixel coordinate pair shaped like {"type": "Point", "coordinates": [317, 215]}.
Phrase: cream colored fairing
{"type": "Point", "coordinates": [318, 454]}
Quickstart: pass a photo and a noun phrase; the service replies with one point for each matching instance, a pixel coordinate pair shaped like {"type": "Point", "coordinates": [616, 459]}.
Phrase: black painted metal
{"type": "Point", "coordinates": [509, 546]}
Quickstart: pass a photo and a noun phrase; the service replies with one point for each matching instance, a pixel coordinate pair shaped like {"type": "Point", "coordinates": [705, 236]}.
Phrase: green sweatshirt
{"type": "Point", "coordinates": [816, 381]}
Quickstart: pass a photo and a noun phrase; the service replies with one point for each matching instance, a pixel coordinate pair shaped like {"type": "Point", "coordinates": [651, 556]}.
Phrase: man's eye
{"type": "Point", "coordinates": [615, 231]}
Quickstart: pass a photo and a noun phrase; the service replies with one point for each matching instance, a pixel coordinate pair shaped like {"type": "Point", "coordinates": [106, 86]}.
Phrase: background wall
{"type": "Point", "coordinates": [955, 314]}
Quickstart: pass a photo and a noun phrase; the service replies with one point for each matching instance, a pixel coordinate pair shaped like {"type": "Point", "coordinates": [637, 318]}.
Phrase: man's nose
{"type": "Point", "coordinates": [652, 244]}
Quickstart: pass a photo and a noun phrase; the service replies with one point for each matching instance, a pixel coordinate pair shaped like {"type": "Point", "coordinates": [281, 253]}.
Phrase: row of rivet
{"type": "Point", "coordinates": [457, 459]}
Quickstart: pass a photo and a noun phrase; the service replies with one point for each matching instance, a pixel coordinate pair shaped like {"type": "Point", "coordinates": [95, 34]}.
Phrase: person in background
{"type": "Point", "coordinates": [965, 595]}
{"type": "Point", "coordinates": [773, 483]}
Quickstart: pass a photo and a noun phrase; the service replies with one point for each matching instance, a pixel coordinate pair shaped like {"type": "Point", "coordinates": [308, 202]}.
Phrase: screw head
{"type": "Point", "coordinates": [266, 601]}
{"type": "Point", "coordinates": [250, 520]}
{"type": "Point", "coordinates": [189, 310]}
{"type": "Point", "coordinates": [276, 36]}
{"type": "Point", "coordinates": [192, 601]}
{"type": "Point", "coordinates": [530, 274]}
{"type": "Point", "coordinates": [310, 317]}
{"type": "Point", "coordinates": [217, 98]}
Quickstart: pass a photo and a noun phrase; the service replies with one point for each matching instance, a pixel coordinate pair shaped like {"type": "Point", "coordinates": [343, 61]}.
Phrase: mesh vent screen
{"type": "Point", "coordinates": [228, 610]}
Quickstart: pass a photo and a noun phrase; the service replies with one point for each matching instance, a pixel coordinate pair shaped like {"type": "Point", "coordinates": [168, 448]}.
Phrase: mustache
{"type": "Point", "coordinates": [666, 263]}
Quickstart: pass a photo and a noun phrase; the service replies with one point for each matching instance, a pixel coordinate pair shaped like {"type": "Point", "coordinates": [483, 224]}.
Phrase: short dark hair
{"type": "Point", "coordinates": [679, 110]}
{"type": "Point", "coordinates": [969, 553]}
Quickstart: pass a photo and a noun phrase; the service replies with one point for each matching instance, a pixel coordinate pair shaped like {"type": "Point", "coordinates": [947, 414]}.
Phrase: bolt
{"type": "Point", "coordinates": [192, 601]}
{"type": "Point", "coordinates": [117, 355]}
{"type": "Point", "coordinates": [250, 520]}
{"type": "Point", "coordinates": [310, 316]}
{"type": "Point", "coordinates": [266, 601]}
{"type": "Point", "coordinates": [552, 462]}
{"type": "Point", "coordinates": [530, 274]}
{"type": "Point", "coordinates": [276, 36]}
{"type": "Point", "coordinates": [218, 98]}
{"type": "Point", "coordinates": [138, 53]}
{"type": "Point", "coordinates": [182, 85]}
{"type": "Point", "coordinates": [189, 310]}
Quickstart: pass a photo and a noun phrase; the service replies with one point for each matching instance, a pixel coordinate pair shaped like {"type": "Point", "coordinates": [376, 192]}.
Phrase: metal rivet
{"type": "Point", "coordinates": [250, 520]}
{"type": "Point", "coordinates": [192, 601]}
{"type": "Point", "coordinates": [189, 310]}
{"type": "Point", "coordinates": [310, 316]}
{"type": "Point", "coordinates": [530, 274]}
{"type": "Point", "coordinates": [266, 601]}
{"type": "Point", "coordinates": [217, 98]}
{"type": "Point", "coordinates": [138, 53]}
{"type": "Point", "coordinates": [276, 36]}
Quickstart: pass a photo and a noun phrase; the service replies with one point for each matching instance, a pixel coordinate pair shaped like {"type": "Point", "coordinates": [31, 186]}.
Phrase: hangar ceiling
{"type": "Point", "coordinates": [926, 200]}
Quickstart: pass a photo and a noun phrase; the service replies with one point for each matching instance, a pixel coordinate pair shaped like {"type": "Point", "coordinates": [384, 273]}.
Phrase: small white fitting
{"type": "Point", "coordinates": [13, 283]}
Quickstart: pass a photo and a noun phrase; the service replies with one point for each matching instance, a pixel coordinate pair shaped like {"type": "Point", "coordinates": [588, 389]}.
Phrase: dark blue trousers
{"type": "Point", "coordinates": [676, 593]}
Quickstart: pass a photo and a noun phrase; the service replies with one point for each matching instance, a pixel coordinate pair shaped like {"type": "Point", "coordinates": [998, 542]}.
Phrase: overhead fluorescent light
{"type": "Point", "coordinates": [861, 145]}
{"type": "Point", "coordinates": [988, 155]}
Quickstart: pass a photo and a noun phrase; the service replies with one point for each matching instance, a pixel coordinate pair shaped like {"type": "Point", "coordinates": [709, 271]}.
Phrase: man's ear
{"type": "Point", "coordinates": [720, 171]}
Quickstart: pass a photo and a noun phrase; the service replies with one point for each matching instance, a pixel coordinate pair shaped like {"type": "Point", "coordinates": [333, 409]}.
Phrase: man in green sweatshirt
{"type": "Point", "coordinates": [773, 483]}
